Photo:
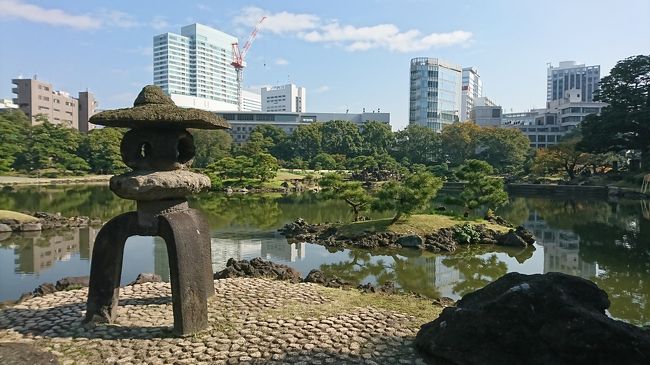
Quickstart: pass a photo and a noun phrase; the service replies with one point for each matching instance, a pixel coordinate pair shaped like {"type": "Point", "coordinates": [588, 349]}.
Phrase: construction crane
{"type": "Point", "coordinates": [238, 61]}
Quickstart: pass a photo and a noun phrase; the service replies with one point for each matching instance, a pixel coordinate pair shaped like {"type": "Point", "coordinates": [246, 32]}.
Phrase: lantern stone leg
{"type": "Point", "coordinates": [160, 150]}
{"type": "Point", "coordinates": [106, 267]}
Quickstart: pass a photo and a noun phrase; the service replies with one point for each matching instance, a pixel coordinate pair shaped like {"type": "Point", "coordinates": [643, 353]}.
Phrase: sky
{"type": "Point", "coordinates": [349, 54]}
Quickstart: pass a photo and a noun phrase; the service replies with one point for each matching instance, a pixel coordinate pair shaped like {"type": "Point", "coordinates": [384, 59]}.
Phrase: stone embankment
{"type": "Point", "coordinates": [442, 240]}
{"type": "Point", "coordinates": [251, 321]}
{"type": "Point", "coordinates": [43, 221]}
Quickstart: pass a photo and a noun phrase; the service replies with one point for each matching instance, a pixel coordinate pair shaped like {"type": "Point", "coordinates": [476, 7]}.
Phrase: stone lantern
{"type": "Point", "coordinates": [160, 150]}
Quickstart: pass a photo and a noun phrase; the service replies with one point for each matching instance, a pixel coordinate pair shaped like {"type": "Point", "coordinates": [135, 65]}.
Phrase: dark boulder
{"type": "Point", "coordinates": [44, 289]}
{"type": "Point", "coordinates": [319, 277]}
{"type": "Point", "coordinates": [146, 278]}
{"type": "Point", "coordinates": [258, 268]}
{"type": "Point", "coordinates": [386, 288]}
{"type": "Point", "coordinates": [511, 239]}
{"type": "Point", "coordinates": [441, 240]}
{"type": "Point", "coordinates": [525, 234]}
{"type": "Point", "coordinates": [552, 318]}
{"type": "Point", "coordinates": [411, 241]}
{"type": "Point", "coordinates": [72, 282]}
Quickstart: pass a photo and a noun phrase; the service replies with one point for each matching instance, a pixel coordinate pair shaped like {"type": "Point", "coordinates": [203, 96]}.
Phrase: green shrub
{"type": "Point", "coordinates": [466, 234]}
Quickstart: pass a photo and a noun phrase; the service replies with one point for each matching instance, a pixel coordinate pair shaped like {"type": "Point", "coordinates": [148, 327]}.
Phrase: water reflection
{"type": "Point", "coordinates": [606, 242]}
{"type": "Point", "coordinates": [38, 251]}
{"type": "Point", "coordinates": [561, 249]}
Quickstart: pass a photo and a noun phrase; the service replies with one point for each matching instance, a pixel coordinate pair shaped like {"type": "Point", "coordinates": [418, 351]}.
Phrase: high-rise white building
{"type": "Point", "coordinates": [194, 68]}
{"type": "Point", "coordinates": [284, 98]}
{"type": "Point", "coordinates": [571, 76]}
{"type": "Point", "coordinates": [434, 98]}
{"type": "Point", "coordinates": [472, 88]}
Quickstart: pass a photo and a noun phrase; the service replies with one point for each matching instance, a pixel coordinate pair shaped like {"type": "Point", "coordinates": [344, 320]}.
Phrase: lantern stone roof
{"type": "Point", "coordinates": [154, 109]}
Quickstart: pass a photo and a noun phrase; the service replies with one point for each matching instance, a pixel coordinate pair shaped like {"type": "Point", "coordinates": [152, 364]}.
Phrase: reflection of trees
{"type": "Point", "coordinates": [564, 214]}
{"type": "Point", "coordinates": [624, 256]}
{"type": "Point", "coordinates": [476, 271]}
{"type": "Point", "coordinates": [71, 200]}
{"type": "Point", "coordinates": [417, 275]}
{"type": "Point", "coordinates": [268, 211]}
{"type": "Point", "coordinates": [516, 211]}
{"type": "Point", "coordinates": [256, 211]}
{"type": "Point", "coordinates": [359, 266]}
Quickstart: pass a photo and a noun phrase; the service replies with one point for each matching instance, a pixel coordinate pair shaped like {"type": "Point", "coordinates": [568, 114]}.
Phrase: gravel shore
{"type": "Point", "coordinates": [252, 321]}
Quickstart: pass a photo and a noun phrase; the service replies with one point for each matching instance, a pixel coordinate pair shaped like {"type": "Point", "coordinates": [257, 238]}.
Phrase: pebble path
{"type": "Point", "coordinates": [252, 321]}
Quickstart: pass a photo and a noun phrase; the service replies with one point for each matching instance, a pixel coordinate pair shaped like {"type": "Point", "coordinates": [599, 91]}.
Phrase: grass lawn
{"type": "Point", "coordinates": [20, 217]}
{"type": "Point", "coordinates": [414, 224]}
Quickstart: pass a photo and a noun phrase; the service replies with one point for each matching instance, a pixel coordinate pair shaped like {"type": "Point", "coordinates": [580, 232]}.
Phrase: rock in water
{"type": "Point", "coordinates": [552, 318]}
{"type": "Point", "coordinates": [258, 268]}
{"type": "Point", "coordinates": [72, 282]}
{"type": "Point", "coordinates": [319, 277]}
{"type": "Point", "coordinates": [411, 240]}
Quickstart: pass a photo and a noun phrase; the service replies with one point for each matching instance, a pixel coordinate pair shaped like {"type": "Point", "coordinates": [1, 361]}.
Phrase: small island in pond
{"type": "Point", "coordinates": [431, 232]}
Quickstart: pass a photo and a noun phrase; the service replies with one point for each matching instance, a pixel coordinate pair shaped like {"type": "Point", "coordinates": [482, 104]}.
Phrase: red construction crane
{"type": "Point", "coordinates": [238, 61]}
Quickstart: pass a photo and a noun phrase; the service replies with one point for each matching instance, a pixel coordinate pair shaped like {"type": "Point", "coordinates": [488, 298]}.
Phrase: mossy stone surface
{"type": "Point", "coordinates": [153, 109]}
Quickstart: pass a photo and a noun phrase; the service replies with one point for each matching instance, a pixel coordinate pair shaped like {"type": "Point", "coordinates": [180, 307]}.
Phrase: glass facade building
{"type": "Point", "coordinates": [571, 76]}
{"type": "Point", "coordinates": [196, 63]}
{"type": "Point", "coordinates": [471, 90]}
{"type": "Point", "coordinates": [435, 97]}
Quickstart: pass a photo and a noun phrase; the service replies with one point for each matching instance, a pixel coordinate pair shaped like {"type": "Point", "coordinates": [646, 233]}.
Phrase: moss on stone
{"type": "Point", "coordinates": [20, 217]}
{"type": "Point", "coordinates": [152, 108]}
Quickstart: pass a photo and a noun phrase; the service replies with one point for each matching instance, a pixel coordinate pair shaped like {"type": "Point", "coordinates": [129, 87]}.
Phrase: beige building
{"type": "Point", "coordinates": [37, 98]}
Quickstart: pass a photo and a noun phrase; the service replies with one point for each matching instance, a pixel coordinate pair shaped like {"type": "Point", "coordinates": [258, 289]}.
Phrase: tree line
{"type": "Point", "coordinates": [337, 144]}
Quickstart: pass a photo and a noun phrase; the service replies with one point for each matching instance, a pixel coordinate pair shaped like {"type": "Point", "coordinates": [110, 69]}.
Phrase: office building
{"type": "Point", "coordinates": [434, 97]}
{"type": "Point", "coordinates": [472, 89]}
{"type": "Point", "coordinates": [515, 119]}
{"type": "Point", "coordinates": [570, 75]}
{"type": "Point", "coordinates": [546, 127]}
{"type": "Point", "coordinates": [243, 123]}
{"type": "Point", "coordinates": [486, 113]}
{"type": "Point", "coordinates": [39, 99]}
{"type": "Point", "coordinates": [251, 101]}
{"type": "Point", "coordinates": [194, 68]}
{"type": "Point", "coordinates": [284, 98]}
{"type": "Point", "coordinates": [7, 104]}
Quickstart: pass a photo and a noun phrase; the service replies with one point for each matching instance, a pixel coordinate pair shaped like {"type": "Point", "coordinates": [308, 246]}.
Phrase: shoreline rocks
{"type": "Point", "coordinates": [550, 318]}
{"type": "Point", "coordinates": [258, 268]}
{"type": "Point", "coordinates": [46, 221]}
{"type": "Point", "coordinates": [74, 282]}
{"type": "Point", "coordinates": [443, 240]}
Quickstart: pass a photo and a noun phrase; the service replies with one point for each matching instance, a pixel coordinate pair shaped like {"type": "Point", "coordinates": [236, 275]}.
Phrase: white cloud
{"type": "Point", "coordinates": [115, 18]}
{"type": "Point", "coordinates": [386, 36]}
{"type": "Point", "coordinates": [281, 62]}
{"type": "Point", "coordinates": [104, 18]}
{"type": "Point", "coordinates": [282, 22]}
{"type": "Point", "coordinates": [34, 13]}
{"type": "Point", "coordinates": [321, 89]}
{"type": "Point", "coordinates": [313, 29]}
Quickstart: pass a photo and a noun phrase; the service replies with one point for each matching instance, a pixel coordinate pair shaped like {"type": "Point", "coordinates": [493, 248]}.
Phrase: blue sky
{"type": "Point", "coordinates": [348, 54]}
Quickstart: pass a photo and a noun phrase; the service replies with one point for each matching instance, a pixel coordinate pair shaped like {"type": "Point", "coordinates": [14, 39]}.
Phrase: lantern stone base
{"type": "Point", "coordinates": [158, 185]}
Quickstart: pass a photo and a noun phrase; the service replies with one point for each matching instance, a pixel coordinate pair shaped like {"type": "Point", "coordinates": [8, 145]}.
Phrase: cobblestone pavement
{"type": "Point", "coordinates": [252, 321]}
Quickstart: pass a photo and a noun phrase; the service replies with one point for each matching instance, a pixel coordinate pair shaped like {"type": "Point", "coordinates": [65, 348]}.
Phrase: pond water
{"type": "Point", "coordinates": [606, 242]}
